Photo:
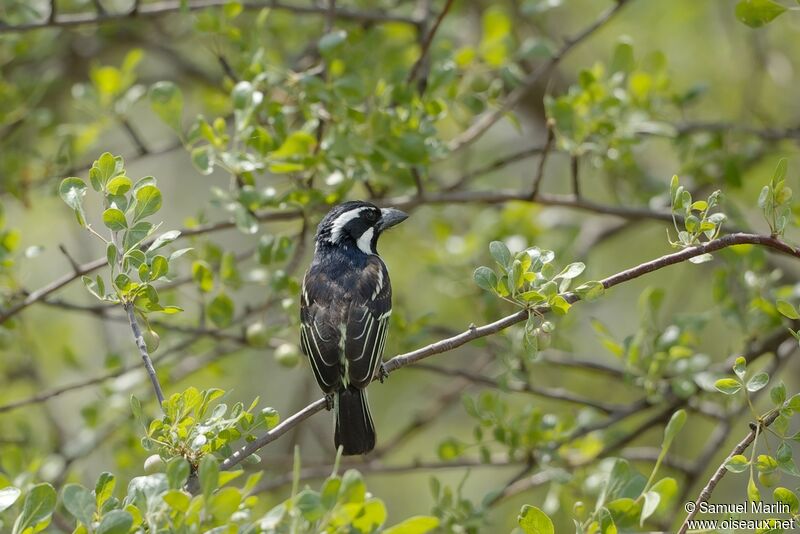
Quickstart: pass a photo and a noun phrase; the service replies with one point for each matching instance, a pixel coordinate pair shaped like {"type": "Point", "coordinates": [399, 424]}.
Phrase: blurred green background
{"type": "Point", "coordinates": [734, 81]}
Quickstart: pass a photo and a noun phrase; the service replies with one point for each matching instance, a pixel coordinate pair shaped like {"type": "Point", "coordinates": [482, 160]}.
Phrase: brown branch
{"type": "Point", "coordinates": [156, 9]}
{"type": "Point", "coordinates": [426, 45]}
{"type": "Point", "coordinates": [138, 338]}
{"type": "Point", "coordinates": [742, 446]}
{"type": "Point", "coordinates": [537, 181]}
{"type": "Point", "coordinates": [574, 163]}
{"type": "Point", "coordinates": [47, 395]}
{"type": "Point", "coordinates": [487, 120]}
{"type": "Point", "coordinates": [519, 387]}
{"type": "Point", "coordinates": [141, 148]}
{"type": "Point", "coordinates": [448, 344]}
{"type": "Point", "coordinates": [47, 290]}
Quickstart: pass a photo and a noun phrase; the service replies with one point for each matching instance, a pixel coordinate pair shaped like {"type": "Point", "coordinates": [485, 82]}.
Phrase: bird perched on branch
{"type": "Point", "coordinates": [345, 305]}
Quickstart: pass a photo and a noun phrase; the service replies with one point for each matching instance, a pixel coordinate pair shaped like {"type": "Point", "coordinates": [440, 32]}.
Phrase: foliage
{"type": "Point", "coordinates": [544, 130]}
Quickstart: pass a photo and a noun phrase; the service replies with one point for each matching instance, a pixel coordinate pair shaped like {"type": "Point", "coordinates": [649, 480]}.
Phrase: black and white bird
{"type": "Point", "coordinates": [345, 306]}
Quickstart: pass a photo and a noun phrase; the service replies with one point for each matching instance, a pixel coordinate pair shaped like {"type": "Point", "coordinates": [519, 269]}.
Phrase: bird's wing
{"type": "Point", "coordinates": [320, 336]}
{"type": "Point", "coordinates": [367, 322]}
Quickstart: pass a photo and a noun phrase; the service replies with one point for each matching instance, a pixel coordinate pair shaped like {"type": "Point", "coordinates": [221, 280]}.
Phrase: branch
{"type": "Point", "coordinates": [472, 333]}
{"type": "Point", "coordinates": [140, 344]}
{"type": "Point", "coordinates": [426, 45]}
{"type": "Point", "coordinates": [173, 6]}
{"type": "Point", "coordinates": [487, 120]}
{"type": "Point", "coordinates": [557, 394]}
{"type": "Point", "coordinates": [537, 181]}
{"type": "Point", "coordinates": [782, 354]}
{"type": "Point", "coordinates": [742, 446]}
{"type": "Point", "coordinates": [47, 290]}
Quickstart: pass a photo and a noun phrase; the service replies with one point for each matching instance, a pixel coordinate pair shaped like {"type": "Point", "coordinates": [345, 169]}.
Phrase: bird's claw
{"type": "Point", "coordinates": [383, 374]}
{"type": "Point", "coordinates": [329, 401]}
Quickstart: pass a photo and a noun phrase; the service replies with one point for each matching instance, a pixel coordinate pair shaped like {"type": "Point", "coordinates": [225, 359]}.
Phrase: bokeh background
{"type": "Point", "coordinates": [721, 103]}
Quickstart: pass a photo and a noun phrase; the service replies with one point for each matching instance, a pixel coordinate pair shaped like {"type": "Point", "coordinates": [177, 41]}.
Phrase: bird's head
{"type": "Point", "coordinates": [357, 224]}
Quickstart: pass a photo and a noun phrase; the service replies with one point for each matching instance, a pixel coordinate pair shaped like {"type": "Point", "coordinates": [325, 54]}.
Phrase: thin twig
{"type": "Point", "coordinates": [519, 387]}
{"type": "Point", "coordinates": [487, 120]}
{"type": "Point", "coordinates": [742, 446]}
{"type": "Point", "coordinates": [138, 338]}
{"type": "Point", "coordinates": [537, 181]}
{"type": "Point", "coordinates": [173, 6]}
{"type": "Point", "coordinates": [574, 163]}
{"type": "Point", "coordinates": [141, 148]}
{"type": "Point", "coordinates": [426, 45]}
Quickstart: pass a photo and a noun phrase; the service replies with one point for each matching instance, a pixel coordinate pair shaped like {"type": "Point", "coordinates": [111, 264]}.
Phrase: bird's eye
{"type": "Point", "coordinates": [371, 215]}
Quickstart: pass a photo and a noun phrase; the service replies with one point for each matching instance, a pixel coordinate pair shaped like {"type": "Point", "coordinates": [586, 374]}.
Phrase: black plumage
{"type": "Point", "coordinates": [345, 306]}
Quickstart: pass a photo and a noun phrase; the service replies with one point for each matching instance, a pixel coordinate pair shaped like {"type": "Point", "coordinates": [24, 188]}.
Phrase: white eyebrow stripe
{"type": "Point", "coordinates": [341, 221]}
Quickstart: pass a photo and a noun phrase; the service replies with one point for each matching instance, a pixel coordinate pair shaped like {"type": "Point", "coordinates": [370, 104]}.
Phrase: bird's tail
{"type": "Point", "coordinates": [354, 430]}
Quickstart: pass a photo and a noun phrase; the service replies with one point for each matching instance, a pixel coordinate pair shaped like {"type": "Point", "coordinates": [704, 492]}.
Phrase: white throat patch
{"type": "Point", "coordinates": [365, 241]}
{"type": "Point", "coordinates": [341, 221]}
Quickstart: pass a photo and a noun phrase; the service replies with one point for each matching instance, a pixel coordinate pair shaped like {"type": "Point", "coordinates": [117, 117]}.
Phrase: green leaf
{"type": "Point", "coordinates": [353, 489]}
{"type": "Point", "coordinates": [728, 386]}
{"type": "Point", "coordinates": [794, 402]}
{"type": "Point", "coordinates": [202, 275]}
{"type": "Point", "coordinates": [297, 144]}
{"type": "Point", "coordinates": [111, 254]}
{"type": "Point", "coordinates": [787, 309]}
{"type": "Point", "coordinates": [485, 278]}
{"type": "Point", "coordinates": [651, 502]}
{"type": "Point", "coordinates": [331, 41]}
{"type": "Point", "coordinates": [224, 503]}
{"type": "Point", "coordinates": [573, 270]}
{"type": "Point", "coordinates": [106, 166]}
{"type": "Point", "coordinates": [178, 500]}
{"type": "Point", "coordinates": [115, 522]}
{"type": "Point", "coordinates": [740, 367]}
{"type": "Point", "coordinates": [164, 239]}
{"type": "Point", "coordinates": [119, 185]}
{"type": "Point", "coordinates": [372, 516]}
{"type": "Point", "coordinates": [72, 191]}
{"type": "Point", "coordinates": [737, 463]}
{"type": "Point", "coordinates": [757, 382]}
{"type": "Point", "coordinates": [674, 426]}
{"type": "Point", "coordinates": [203, 159]}
{"type": "Point", "coordinates": [79, 502]}
{"type": "Point", "coordinates": [208, 473]}
{"type": "Point", "coordinates": [159, 267]}
{"type": "Point", "coordinates": [534, 521]}
{"type": "Point", "coordinates": [757, 13]}
{"type": "Point", "coordinates": [177, 472]}
{"type": "Point", "coordinates": [37, 508]}
{"type": "Point", "coordinates": [667, 489]}
{"type": "Point", "coordinates": [104, 488]}
{"type": "Point", "coordinates": [148, 201]}
{"type": "Point", "coordinates": [766, 463]}
{"type": "Point", "coordinates": [590, 290]}
{"type": "Point", "coordinates": [753, 494]}
{"type": "Point", "coordinates": [778, 394]}
{"type": "Point", "coordinates": [500, 253]}
{"type": "Point", "coordinates": [114, 219]}
{"type": "Point", "coordinates": [166, 100]}
{"type": "Point", "coordinates": [8, 496]}
{"type": "Point", "coordinates": [450, 449]}
{"type": "Point", "coordinates": [420, 524]}
{"type": "Point", "coordinates": [623, 61]}
{"type": "Point", "coordinates": [787, 497]}
{"type": "Point", "coordinates": [220, 310]}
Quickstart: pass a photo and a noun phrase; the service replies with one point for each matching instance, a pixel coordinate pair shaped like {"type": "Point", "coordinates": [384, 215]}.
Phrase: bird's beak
{"type": "Point", "coordinates": [391, 217]}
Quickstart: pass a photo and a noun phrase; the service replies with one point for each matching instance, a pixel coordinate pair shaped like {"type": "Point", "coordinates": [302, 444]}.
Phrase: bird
{"type": "Point", "coordinates": [345, 304]}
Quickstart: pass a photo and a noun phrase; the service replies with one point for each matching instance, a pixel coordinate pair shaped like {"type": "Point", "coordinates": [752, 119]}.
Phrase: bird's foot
{"type": "Point", "coordinates": [329, 401]}
{"type": "Point", "coordinates": [383, 374]}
